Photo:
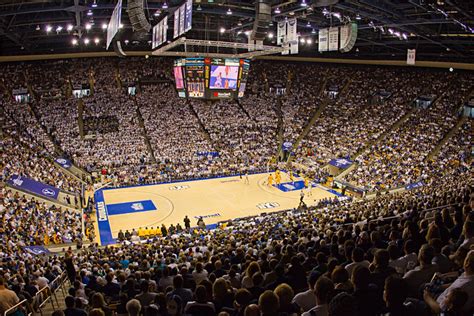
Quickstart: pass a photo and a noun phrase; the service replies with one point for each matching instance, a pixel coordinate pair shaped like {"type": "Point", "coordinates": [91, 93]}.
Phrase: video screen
{"type": "Point", "coordinates": [178, 77]}
{"type": "Point", "coordinates": [224, 77]}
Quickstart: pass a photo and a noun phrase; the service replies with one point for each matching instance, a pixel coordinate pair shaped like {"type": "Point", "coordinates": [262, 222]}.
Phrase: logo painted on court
{"type": "Point", "coordinates": [137, 206]}
{"type": "Point", "coordinates": [179, 187]}
{"type": "Point", "coordinates": [267, 205]}
{"type": "Point", "coordinates": [101, 211]}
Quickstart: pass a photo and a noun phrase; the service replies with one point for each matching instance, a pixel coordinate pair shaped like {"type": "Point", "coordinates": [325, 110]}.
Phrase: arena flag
{"type": "Point", "coordinates": [182, 15]}
{"type": "Point", "coordinates": [63, 162]}
{"type": "Point", "coordinates": [189, 15]}
{"type": "Point", "coordinates": [35, 187]}
{"type": "Point", "coordinates": [411, 56]}
{"type": "Point", "coordinates": [176, 24]}
{"type": "Point", "coordinates": [333, 38]}
{"type": "Point", "coordinates": [323, 40]}
{"type": "Point", "coordinates": [114, 23]}
{"type": "Point", "coordinates": [341, 163]}
{"type": "Point", "coordinates": [281, 33]}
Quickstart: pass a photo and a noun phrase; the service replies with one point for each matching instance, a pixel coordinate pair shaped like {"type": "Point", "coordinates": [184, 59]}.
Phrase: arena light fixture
{"type": "Point", "coordinates": [313, 31]}
{"type": "Point", "coordinates": [303, 3]}
{"type": "Point", "coordinates": [38, 27]}
{"type": "Point", "coordinates": [199, 8]}
{"type": "Point", "coordinates": [94, 5]}
{"type": "Point", "coordinates": [222, 30]}
{"type": "Point", "coordinates": [247, 33]}
{"type": "Point", "coordinates": [405, 36]}
{"type": "Point", "coordinates": [126, 42]}
{"type": "Point", "coordinates": [270, 35]}
{"type": "Point", "coordinates": [239, 23]}
{"type": "Point", "coordinates": [69, 27]}
{"type": "Point", "coordinates": [358, 17]}
{"type": "Point", "coordinates": [49, 28]}
{"type": "Point", "coordinates": [121, 26]}
{"type": "Point", "coordinates": [165, 5]}
{"type": "Point", "coordinates": [277, 11]}
{"type": "Point", "coordinates": [96, 40]}
{"type": "Point", "coordinates": [74, 41]}
{"type": "Point", "coordinates": [229, 12]}
{"type": "Point", "coordinates": [302, 40]}
{"type": "Point", "coordinates": [309, 41]}
{"type": "Point", "coordinates": [88, 26]}
{"type": "Point", "coordinates": [104, 26]}
{"type": "Point", "coordinates": [308, 24]}
{"type": "Point", "coordinates": [59, 28]}
{"type": "Point", "coordinates": [86, 41]}
{"type": "Point", "coordinates": [90, 13]}
{"type": "Point", "coordinates": [451, 69]}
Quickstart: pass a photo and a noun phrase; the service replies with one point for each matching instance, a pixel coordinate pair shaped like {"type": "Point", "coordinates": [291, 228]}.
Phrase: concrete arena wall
{"type": "Point", "coordinates": [401, 63]}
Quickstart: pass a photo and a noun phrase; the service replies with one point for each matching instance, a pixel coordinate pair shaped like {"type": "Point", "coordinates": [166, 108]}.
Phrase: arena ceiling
{"type": "Point", "coordinates": [441, 30]}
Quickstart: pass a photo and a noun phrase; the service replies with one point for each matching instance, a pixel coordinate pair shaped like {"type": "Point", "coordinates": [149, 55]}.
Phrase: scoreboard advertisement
{"type": "Point", "coordinates": [211, 78]}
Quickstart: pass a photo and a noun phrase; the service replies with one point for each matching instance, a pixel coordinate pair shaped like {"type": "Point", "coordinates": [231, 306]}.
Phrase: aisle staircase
{"type": "Point", "coordinates": [203, 129]}
{"type": "Point", "coordinates": [435, 151]}
{"type": "Point", "coordinates": [141, 122]}
{"type": "Point", "coordinates": [80, 117]}
{"type": "Point", "coordinates": [280, 125]}
{"type": "Point", "coordinates": [245, 111]}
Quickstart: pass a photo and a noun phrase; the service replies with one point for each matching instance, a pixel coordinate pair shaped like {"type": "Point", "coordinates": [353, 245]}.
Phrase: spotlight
{"type": "Point", "coordinates": [240, 23]}
{"type": "Point", "coordinates": [49, 28]}
{"type": "Point", "coordinates": [121, 26]}
{"type": "Point", "coordinates": [247, 33]}
{"type": "Point", "coordinates": [405, 36]}
{"type": "Point", "coordinates": [222, 30]}
{"type": "Point", "coordinates": [38, 27]}
{"type": "Point", "coordinates": [104, 26]}
{"type": "Point", "coordinates": [303, 3]}
{"type": "Point", "coordinates": [358, 17]}
{"type": "Point", "coordinates": [89, 13]}
{"type": "Point", "coordinates": [74, 41]}
{"type": "Point", "coordinates": [302, 40]}
{"type": "Point", "coordinates": [199, 8]}
{"type": "Point", "coordinates": [96, 40]}
{"type": "Point", "coordinates": [308, 24]}
{"type": "Point", "coordinates": [88, 26]}
{"type": "Point", "coordinates": [270, 35]}
{"type": "Point", "coordinates": [451, 69]}
{"type": "Point", "coordinates": [69, 27]}
{"type": "Point", "coordinates": [165, 5]}
{"type": "Point", "coordinates": [126, 42]}
{"type": "Point", "coordinates": [94, 5]}
{"type": "Point", "coordinates": [309, 41]}
{"type": "Point", "coordinates": [337, 15]}
{"type": "Point", "coordinates": [157, 13]}
{"type": "Point", "coordinates": [313, 31]}
{"type": "Point", "coordinates": [277, 11]}
{"type": "Point", "coordinates": [86, 41]}
{"type": "Point", "coordinates": [390, 31]}
{"type": "Point", "coordinates": [229, 12]}
{"type": "Point", "coordinates": [59, 28]}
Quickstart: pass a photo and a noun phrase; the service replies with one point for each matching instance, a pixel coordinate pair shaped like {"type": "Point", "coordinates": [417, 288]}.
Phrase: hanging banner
{"type": "Point", "coordinates": [182, 15]}
{"type": "Point", "coordinates": [189, 15]}
{"type": "Point", "coordinates": [344, 35]}
{"type": "Point", "coordinates": [114, 23]}
{"type": "Point", "coordinates": [281, 33]}
{"type": "Point", "coordinates": [411, 56]}
{"type": "Point", "coordinates": [293, 35]}
{"type": "Point", "coordinates": [164, 30]}
{"type": "Point", "coordinates": [176, 24]}
{"type": "Point", "coordinates": [33, 186]}
{"type": "Point", "coordinates": [323, 40]}
{"type": "Point", "coordinates": [333, 38]}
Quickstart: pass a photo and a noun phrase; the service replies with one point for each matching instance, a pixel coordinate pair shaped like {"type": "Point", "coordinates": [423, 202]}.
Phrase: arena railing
{"type": "Point", "coordinates": [23, 305]}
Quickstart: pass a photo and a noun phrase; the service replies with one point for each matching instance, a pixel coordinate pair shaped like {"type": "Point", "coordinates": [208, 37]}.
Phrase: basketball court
{"type": "Point", "coordinates": [215, 199]}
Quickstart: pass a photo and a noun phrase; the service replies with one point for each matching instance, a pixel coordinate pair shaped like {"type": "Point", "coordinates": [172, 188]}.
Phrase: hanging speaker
{"type": "Point", "coordinates": [136, 14]}
{"type": "Point", "coordinates": [263, 17]}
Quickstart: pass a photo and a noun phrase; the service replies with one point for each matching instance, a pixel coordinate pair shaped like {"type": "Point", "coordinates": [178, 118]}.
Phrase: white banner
{"type": "Point", "coordinates": [154, 37]}
{"type": "Point", "coordinates": [114, 23]}
{"type": "Point", "coordinates": [176, 24]}
{"type": "Point", "coordinates": [411, 56]}
{"type": "Point", "coordinates": [182, 15]}
{"type": "Point", "coordinates": [293, 35]}
{"type": "Point", "coordinates": [344, 35]}
{"type": "Point", "coordinates": [323, 40]}
{"type": "Point", "coordinates": [333, 38]}
{"type": "Point", "coordinates": [165, 30]}
{"type": "Point", "coordinates": [189, 15]}
{"type": "Point", "coordinates": [281, 32]}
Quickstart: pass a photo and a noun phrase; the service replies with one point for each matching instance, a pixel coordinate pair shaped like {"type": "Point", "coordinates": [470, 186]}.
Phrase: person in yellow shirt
{"type": "Point", "coordinates": [270, 180]}
{"type": "Point", "coordinates": [277, 177]}
{"type": "Point", "coordinates": [141, 232]}
{"type": "Point", "coordinates": [292, 179]}
{"type": "Point", "coordinates": [147, 232]}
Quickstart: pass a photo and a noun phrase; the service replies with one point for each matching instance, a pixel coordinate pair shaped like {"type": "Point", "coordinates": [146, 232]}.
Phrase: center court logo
{"type": "Point", "coordinates": [179, 187]}
{"type": "Point", "coordinates": [267, 205]}
{"type": "Point", "coordinates": [102, 213]}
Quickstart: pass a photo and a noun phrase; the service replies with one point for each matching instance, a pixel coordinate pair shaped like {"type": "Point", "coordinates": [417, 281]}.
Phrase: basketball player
{"type": "Point", "coordinates": [292, 179]}
{"type": "Point", "coordinates": [270, 180]}
{"type": "Point", "coordinates": [307, 185]}
{"type": "Point", "coordinates": [247, 178]}
{"type": "Point", "coordinates": [277, 177]}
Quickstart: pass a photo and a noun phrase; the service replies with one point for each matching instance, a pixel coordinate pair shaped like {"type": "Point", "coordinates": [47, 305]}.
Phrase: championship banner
{"type": "Point", "coordinates": [281, 33]}
{"type": "Point", "coordinates": [114, 23]}
{"type": "Point", "coordinates": [323, 40]}
{"type": "Point", "coordinates": [344, 35]}
{"type": "Point", "coordinates": [411, 55]}
{"type": "Point", "coordinates": [182, 15]}
{"type": "Point", "coordinates": [293, 35]}
{"type": "Point", "coordinates": [63, 162]}
{"type": "Point", "coordinates": [341, 163]}
{"type": "Point", "coordinates": [176, 24]}
{"type": "Point", "coordinates": [36, 250]}
{"type": "Point", "coordinates": [333, 38]}
{"type": "Point", "coordinates": [30, 185]}
{"type": "Point", "coordinates": [189, 15]}
{"type": "Point", "coordinates": [164, 30]}
{"type": "Point", "coordinates": [154, 37]}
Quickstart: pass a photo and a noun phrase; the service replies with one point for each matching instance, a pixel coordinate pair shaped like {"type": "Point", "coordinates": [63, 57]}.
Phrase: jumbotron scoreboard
{"type": "Point", "coordinates": [211, 78]}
